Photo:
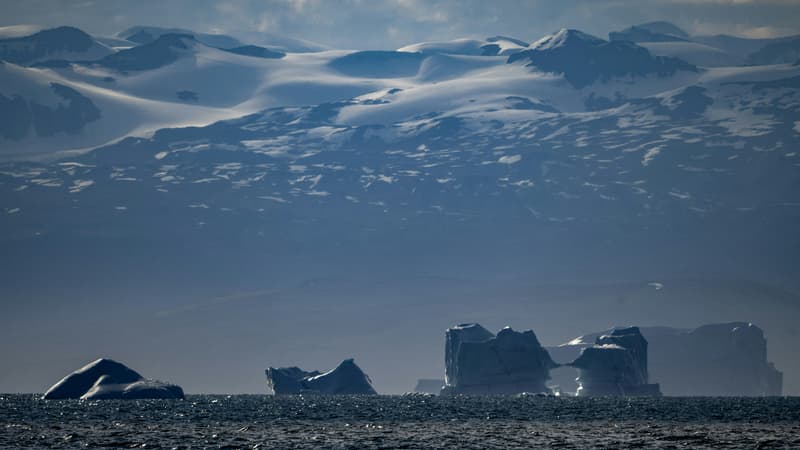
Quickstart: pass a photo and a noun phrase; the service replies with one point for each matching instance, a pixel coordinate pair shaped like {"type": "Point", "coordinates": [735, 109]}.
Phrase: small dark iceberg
{"type": "Point", "coordinates": [108, 379]}
{"type": "Point", "coordinates": [346, 379]}
{"type": "Point", "coordinates": [478, 362]}
{"type": "Point", "coordinates": [429, 386]}
{"type": "Point", "coordinates": [615, 366]}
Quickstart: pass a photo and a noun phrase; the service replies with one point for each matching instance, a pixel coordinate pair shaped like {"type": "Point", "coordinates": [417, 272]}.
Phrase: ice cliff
{"type": "Point", "coordinates": [615, 365]}
{"type": "Point", "coordinates": [346, 379]}
{"type": "Point", "coordinates": [478, 362]}
{"type": "Point", "coordinates": [108, 379]}
{"type": "Point", "coordinates": [727, 359]}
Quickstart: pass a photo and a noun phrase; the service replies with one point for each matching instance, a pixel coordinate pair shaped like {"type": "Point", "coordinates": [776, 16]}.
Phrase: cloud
{"type": "Point", "coordinates": [393, 23]}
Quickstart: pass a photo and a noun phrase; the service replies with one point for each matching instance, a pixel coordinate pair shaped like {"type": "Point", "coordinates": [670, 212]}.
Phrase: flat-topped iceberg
{"type": "Point", "coordinates": [615, 365]}
{"type": "Point", "coordinates": [108, 379]}
{"type": "Point", "coordinates": [478, 362]}
{"type": "Point", "coordinates": [346, 379]}
{"type": "Point", "coordinates": [724, 359]}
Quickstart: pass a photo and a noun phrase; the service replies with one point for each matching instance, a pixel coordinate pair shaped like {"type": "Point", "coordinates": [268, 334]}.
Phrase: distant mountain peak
{"type": "Point", "coordinates": [498, 38]}
{"type": "Point", "coordinates": [161, 52]}
{"type": "Point", "coordinates": [584, 59]}
{"type": "Point", "coordinates": [44, 43]}
{"type": "Point", "coordinates": [650, 32]}
{"type": "Point", "coordinates": [664, 27]}
{"type": "Point", "coordinates": [565, 37]}
{"type": "Point", "coordinates": [146, 34]}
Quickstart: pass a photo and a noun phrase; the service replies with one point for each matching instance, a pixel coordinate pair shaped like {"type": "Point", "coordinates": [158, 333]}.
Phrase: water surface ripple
{"type": "Point", "coordinates": [413, 421]}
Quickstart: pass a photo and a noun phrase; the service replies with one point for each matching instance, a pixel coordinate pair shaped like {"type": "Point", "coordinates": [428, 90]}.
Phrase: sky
{"type": "Point", "coordinates": [361, 24]}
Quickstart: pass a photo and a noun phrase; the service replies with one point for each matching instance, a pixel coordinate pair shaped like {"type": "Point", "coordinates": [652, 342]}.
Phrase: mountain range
{"type": "Point", "coordinates": [157, 167]}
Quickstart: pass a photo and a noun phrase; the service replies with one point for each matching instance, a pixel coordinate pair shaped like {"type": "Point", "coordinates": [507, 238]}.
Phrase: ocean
{"type": "Point", "coordinates": [408, 421]}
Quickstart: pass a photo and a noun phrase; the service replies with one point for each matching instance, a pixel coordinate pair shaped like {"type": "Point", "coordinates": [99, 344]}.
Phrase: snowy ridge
{"type": "Point", "coordinates": [171, 80]}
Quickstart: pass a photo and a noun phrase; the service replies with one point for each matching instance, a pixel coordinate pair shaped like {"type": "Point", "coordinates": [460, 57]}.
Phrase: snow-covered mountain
{"type": "Point", "coordinates": [431, 116]}
{"type": "Point", "coordinates": [146, 34]}
{"type": "Point", "coordinates": [62, 43]}
{"type": "Point", "coordinates": [493, 46]}
{"type": "Point", "coordinates": [172, 170]}
{"type": "Point", "coordinates": [585, 59]}
{"type": "Point", "coordinates": [177, 80]}
{"type": "Point", "coordinates": [666, 39]}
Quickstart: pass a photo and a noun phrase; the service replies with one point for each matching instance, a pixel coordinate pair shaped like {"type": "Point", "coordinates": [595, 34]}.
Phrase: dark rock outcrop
{"type": "Point", "coordinates": [784, 51]}
{"type": "Point", "coordinates": [478, 362]}
{"type": "Point", "coordinates": [584, 59]}
{"type": "Point", "coordinates": [650, 32]}
{"type": "Point", "coordinates": [147, 34]}
{"type": "Point", "coordinates": [108, 379]}
{"type": "Point", "coordinates": [18, 116]}
{"type": "Point", "coordinates": [346, 379]}
{"type": "Point", "coordinates": [256, 52]}
{"type": "Point", "coordinates": [28, 49]}
{"type": "Point", "coordinates": [615, 365]}
{"type": "Point", "coordinates": [159, 53]}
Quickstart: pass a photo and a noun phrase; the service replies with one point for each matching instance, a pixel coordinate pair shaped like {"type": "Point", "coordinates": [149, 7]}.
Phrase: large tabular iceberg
{"type": "Point", "coordinates": [478, 362]}
{"type": "Point", "coordinates": [615, 365]}
{"type": "Point", "coordinates": [727, 359]}
{"type": "Point", "coordinates": [346, 379]}
{"type": "Point", "coordinates": [108, 379]}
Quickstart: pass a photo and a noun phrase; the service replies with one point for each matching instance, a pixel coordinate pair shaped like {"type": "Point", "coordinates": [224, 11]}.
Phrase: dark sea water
{"type": "Point", "coordinates": [413, 421]}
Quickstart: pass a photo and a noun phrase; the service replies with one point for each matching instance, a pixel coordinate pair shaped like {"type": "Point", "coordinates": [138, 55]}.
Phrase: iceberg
{"type": "Point", "coordinates": [478, 362]}
{"type": "Point", "coordinates": [346, 379]}
{"type": "Point", "coordinates": [108, 379]}
{"type": "Point", "coordinates": [615, 365]}
{"type": "Point", "coordinates": [725, 359]}
{"type": "Point", "coordinates": [429, 386]}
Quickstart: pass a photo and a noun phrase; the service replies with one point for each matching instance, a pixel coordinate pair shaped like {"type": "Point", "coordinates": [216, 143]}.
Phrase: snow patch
{"type": "Point", "coordinates": [79, 185]}
{"type": "Point", "coordinates": [513, 159]}
{"type": "Point", "coordinates": [650, 155]}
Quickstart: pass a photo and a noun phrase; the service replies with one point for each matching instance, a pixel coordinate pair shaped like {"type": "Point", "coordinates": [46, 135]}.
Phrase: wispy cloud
{"type": "Point", "coordinates": [394, 23]}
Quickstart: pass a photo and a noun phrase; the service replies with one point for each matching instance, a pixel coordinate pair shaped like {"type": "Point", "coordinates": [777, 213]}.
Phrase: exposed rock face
{"type": "Point", "coordinates": [652, 32]}
{"type": "Point", "coordinates": [584, 59]}
{"type": "Point", "coordinates": [41, 45]}
{"type": "Point", "coordinates": [257, 52]}
{"type": "Point", "coordinates": [108, 379]}
{"type": "Point", "coordinates": [727, 359]}
{"type": "Point", "coordinates": [346, 379]}
{"type": "Point", "coordinates": [615, 365]}
{"type": "Point", "coordinates": [70, 117]}
{"type": "Point", "coordinates": [161, 52]}
{"type": "Point", "coordinates": [478, 362]}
